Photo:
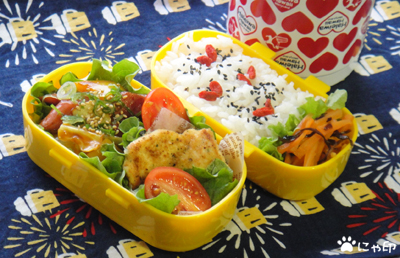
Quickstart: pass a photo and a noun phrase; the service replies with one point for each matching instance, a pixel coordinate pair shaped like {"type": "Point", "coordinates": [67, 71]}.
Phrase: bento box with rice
{"type": "Point", "coordinates": [298, 138]}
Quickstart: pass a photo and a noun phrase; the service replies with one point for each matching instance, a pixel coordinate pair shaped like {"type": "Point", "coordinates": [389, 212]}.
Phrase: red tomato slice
{"type": "Point", "coordinates": [170, 180]}
{"type": "Point", "coordinates": [157, 99]}
{"type": "Point", "coordinates": [53, 120]}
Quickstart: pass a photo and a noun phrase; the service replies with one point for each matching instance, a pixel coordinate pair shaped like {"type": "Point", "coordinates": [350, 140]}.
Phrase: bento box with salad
{"type": "Point", "coordinates": [297, 137]}
{"type": "Point", "coordinates": [135, 154]}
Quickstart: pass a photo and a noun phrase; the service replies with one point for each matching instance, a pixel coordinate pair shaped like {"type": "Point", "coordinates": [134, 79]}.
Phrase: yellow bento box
{"type": "Point", "coordinates": [281, 179]}
{"type": "Point", "coordinates": [162, 230]}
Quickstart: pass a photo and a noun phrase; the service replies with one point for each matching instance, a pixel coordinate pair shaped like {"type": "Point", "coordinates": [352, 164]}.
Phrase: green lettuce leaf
{"type": "Point", "coordinates": [199, 122]}
{"type": "Point", "coordinates": [41, 109]}
{"type": "Point", "coordinates": [132, 129]}
{"type": "Point", "coordinates": [217, 179]}
{"type": "Point", "coordinates": [269, 145]}
{"type": "Point", "coordinates": [69, 77]}
{"type": "Point", "coordinates": [337, 99]}
{"type": "Point", "coordinates": [122, 72]}
{"type": "Point", "coordinates": [312, 106]}
{"type": "Point", "coordinates": [111, 166]}
{"type": "Point", "coordinates": [163, 201]}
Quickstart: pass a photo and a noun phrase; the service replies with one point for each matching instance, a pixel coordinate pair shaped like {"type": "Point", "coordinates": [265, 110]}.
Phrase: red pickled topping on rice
{"type": "Point", "coordinates": [243, 77]}
{"type": "Point", "coordinates": [251, 72]}
{"type": "Point", "coordinates": [216, 87]}
{"type": "Point", "coordinates": [205, 60]}
{"type": "Point", "coordinates": [211, 53]}
{"type": "Point", "coordinates": [208, 95]}
{"type": "Point", "coordinates": [268, 109]}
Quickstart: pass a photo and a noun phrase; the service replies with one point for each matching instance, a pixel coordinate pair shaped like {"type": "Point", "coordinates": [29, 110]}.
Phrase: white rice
{"type": "Point", "coordinates": [175, 71]}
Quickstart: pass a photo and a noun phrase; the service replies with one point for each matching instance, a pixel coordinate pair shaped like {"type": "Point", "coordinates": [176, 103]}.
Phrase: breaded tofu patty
{"type": "Point", "coordinates": [163, 148]}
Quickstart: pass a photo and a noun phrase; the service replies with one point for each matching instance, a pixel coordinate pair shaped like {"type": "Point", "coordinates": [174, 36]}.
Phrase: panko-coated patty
{"type": "Point", "coordinates": [163, 148]}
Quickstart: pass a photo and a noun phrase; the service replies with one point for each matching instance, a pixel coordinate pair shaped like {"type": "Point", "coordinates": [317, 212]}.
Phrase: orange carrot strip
{"type": "Point", "coordinates": [329, 115]}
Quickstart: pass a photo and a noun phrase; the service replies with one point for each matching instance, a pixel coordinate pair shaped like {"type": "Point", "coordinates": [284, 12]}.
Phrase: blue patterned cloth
{"type": "Point", "coordinates": [37, 37]}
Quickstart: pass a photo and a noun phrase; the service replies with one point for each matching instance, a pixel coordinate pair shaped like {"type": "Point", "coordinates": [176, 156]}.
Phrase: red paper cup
{"type": "Point", "coordinates": [310, 37]}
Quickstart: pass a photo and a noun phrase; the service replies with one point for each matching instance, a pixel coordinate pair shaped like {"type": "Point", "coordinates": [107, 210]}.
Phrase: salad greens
{"type": "Point", "coordinates": [40, 109]}
{"type": "Point", "coordinates": [111, 166]}
{"type": "Point", "coordinates": [217, 179]}
{"type": "Point", "coordinates": [163, 201]}
{"type": "Point", "coordinates": [122, 73]}
{"type": "Point", "coordinates": [336, 100]}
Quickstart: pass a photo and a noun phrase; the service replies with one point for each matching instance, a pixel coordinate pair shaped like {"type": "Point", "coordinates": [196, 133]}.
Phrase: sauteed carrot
{"type": "Point", "coordinates": [320, 131]}
{"type": "Point", "coordinates": [317, 140]}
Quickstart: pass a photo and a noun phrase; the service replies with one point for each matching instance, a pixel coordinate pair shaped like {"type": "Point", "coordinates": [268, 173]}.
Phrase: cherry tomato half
{"type": "Point", "coordinates": [170, 180]}
{"type": "Point", "coordinates": [158, 98]}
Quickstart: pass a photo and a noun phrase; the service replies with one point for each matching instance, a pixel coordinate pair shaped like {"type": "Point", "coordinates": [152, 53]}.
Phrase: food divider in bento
{"type": "Point", "coordinates": [297, 138]}
{"type": "Point", "coordinates": [134, 154]}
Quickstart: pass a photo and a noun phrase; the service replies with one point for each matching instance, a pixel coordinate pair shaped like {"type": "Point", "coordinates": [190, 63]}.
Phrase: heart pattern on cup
{"type": "Point", "coordinates": [310, 37]}
{"type": "Point", "coordinates": [326, 61]}
{"type": "Point", "coordinates": [320, 8]}
{"type": "Point", "coordinates": [247, 23]}
{"type": "Point", "coordinates": [363, 12]}
{"type": "Point", "coordinates": [275, 41]}
{"type": "Point", "coordinates": [232, 5]}
{"type": "Point", "coordinates": [298, 21]}
{"type": "Point", "coordinates": [311, 48]}
{"type": "Point", "coordinates": [343, 40]}
{"type": "Point", "coordinates": [353, 51]}
{"type": "Point", "coordinates": [260, 8]}
{"type": "Point", "coordinates": [351, 5]}
{"type": "Point", "coordinates": [233, 28]}
{"type": "Point", "coordinates": [285, 5]}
